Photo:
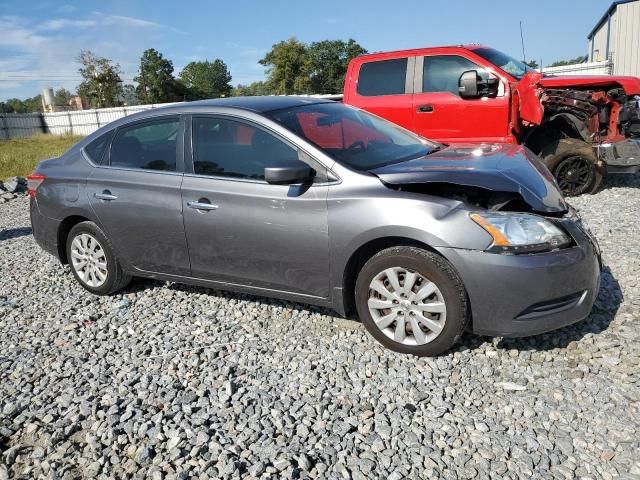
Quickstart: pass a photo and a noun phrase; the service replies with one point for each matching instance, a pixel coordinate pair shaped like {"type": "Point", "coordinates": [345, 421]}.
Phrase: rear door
{"type": "Point", "coordinates": [441, 114]}
{"type": "Point", "coordinates": [136, 197]}
{"type": "Point", "coordinates": [242, 230]}
{"type": "Point", "coordinates": [383, 87]}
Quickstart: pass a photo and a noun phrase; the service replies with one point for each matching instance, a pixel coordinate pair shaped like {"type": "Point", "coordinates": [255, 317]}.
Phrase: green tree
{"type": "Point", "coordinates": [572, 61]}
{"type": "Point", "coordinates": [288, 67]}
{"type": "Point", "coordinates": [28, 105]}
{"type": "Point", "coordinates": [156, 83]}
{"type": "Point", "coordinates": [532, 64]}
{"type": "Point", "coordinates": [328, 61]}
{"type": "Point", "coordinates": [101, 86]}
{"type": "Point", "coordinates": [254, 88]}
{"type": "Point", "coordinates": [206, 79]}
{"type": "Point", "coordinates": [62, 96]}
{"type": "Point", "coordinates": [129, 95]}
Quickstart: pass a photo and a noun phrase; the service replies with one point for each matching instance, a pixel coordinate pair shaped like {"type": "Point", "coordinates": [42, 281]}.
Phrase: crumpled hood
{"type": "Point", "coordinates": [631, 85]}
{"type": "Point", "coordinates": [499, 168]}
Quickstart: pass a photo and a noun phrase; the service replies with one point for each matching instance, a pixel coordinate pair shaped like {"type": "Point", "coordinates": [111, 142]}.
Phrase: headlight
{"type": "Point", "coordinates": [520, 232]}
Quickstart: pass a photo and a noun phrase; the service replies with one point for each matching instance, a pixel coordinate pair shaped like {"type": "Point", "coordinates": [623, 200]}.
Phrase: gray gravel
{"type": "Point", "coordinates": [169, 381]}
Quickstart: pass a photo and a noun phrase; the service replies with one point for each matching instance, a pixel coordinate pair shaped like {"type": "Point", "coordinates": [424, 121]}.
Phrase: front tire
{"type": "Point", "coordinates": [574, 165]}
{"type": "Point", "coordinates": [93, 260]}
{"type": "Point", "coordinates": [412, 301]}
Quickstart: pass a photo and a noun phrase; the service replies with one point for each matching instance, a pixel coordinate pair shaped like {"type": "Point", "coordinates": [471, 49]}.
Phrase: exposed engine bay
{"type": "Point", "coordinates": [596, 115]}
{"type": "Point", "coordinates": [607, 119]}
{"type": "Point", "coordinates": [479, 197]}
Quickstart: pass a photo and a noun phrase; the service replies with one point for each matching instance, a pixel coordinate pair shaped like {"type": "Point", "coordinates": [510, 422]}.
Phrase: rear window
{"type": "Point", "coordinates": [148, 146]}
{"type": "Point", "coordinates": [96, 149]}
{"type": "Point", "coordinates": [386, 77]}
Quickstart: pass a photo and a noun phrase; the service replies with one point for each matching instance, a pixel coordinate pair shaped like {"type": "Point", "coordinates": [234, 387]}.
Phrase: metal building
{"type": "Point", "coordinates": [617, 37]}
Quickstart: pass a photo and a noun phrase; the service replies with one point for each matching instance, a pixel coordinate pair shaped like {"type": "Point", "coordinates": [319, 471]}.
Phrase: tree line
{"type": "Point", "coordinates": [292, 67]}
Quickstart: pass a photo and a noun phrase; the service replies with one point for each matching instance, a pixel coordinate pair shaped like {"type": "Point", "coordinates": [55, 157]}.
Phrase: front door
{"type": "Point", "coordinates": [242, 230]}
{"type": "Point", "coordinates": [441, 114]}
{"type": "Point", "coordinates": [136, 196]}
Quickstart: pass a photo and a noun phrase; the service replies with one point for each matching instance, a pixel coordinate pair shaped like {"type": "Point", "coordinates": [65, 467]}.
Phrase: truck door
{"type": "Point", "coordinates": [440, 114]}
{"type": "Point", "coordinates": [383, 87]}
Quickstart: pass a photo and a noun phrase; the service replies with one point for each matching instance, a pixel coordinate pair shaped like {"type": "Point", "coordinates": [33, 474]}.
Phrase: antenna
{"type": "Point", "coordinates": [524, 55]}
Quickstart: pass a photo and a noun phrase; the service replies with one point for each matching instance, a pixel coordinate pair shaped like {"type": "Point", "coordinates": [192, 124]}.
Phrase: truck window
{"type": "Point", "coordinates": [442, 72]}
{"type": "Point", "coordinates": [386, 77]}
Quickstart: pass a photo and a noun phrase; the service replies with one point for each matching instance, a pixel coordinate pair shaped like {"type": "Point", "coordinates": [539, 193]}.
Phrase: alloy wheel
{"type": "Point", "coordinates": [407, 307]}
{"type": "Point", "coordinates": [575, 175]}
{"type": "Point", "coordinates": [89, 260]}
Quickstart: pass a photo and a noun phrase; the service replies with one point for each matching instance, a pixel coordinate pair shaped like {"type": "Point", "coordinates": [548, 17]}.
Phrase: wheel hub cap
{"type": "Point", "coordinates": [406, 306]}
{"type": "Point", "coordinates": [89, 260]}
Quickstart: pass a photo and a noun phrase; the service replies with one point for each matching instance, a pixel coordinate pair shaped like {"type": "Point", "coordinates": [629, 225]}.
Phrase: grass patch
{"type": "Point", "coordinates": [19, 156]}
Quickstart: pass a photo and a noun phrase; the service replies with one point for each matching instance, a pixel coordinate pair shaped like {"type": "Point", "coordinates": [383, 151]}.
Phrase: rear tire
{"type": "Point", "coordinates": [93, 260]}
{"type": "Point", "coordinates": [574, 165]}
{"type": "Point", "coordinates": [403, 288]}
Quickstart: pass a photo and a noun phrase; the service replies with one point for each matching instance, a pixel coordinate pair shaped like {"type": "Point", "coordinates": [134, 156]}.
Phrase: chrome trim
{"type": "Point", "coordinates": [105, 196]}
{"type": "Point", "coordinates": [202, 206]}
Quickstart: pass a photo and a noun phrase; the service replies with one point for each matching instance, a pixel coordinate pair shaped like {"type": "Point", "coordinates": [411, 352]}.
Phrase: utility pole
{"type": "Point", "coordinates": [144, 82]}
{"type": "Point", "coordinates": [524, 55]}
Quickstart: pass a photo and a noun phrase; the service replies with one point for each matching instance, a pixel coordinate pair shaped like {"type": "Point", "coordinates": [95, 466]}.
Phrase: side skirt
{"type": "Point", "coordinates": [238, 288]}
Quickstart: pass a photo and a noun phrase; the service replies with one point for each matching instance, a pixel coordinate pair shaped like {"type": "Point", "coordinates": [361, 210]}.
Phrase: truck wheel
{"type": "Point", "coordinates": [411, 301]}
{"type": "Point", "coordinates": [574, 165]}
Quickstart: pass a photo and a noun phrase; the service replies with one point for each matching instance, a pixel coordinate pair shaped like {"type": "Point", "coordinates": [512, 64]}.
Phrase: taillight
{"type": "Point", "coordinates": [33, 182]}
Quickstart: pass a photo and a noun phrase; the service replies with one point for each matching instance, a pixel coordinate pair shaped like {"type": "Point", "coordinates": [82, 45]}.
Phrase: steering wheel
{"type": "Point", "coordinates": [357, 146]}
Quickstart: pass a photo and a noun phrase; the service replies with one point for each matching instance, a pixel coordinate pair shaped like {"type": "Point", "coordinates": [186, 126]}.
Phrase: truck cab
{"type": "Point", "coordinates": [474, 93]}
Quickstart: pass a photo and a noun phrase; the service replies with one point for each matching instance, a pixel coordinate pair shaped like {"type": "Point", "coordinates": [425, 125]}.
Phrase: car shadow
{"type": "Point", "coordinates": [15, 233]}
{"type": "Point", "coordinates": [607, 303]}
{"type": "Point", "coordinates": [604, 310]}
{"type": "Point", "coordinates": [620, 181]}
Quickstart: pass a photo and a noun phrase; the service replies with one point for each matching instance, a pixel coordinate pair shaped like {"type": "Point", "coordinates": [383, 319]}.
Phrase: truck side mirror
{"type": "Point", "coordinates": [468, 84]}
{"type": "Point", "coordinates": [472, 85]}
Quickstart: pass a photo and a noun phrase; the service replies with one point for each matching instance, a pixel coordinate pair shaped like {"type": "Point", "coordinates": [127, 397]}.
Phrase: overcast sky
{"type": "Point", "coordinates": [40, 40]}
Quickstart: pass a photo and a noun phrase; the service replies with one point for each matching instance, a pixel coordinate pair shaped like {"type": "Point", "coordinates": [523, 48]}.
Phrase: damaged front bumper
{"type": "Point", "coordinates": [522, 295]}
{"type": "Point", "coordinates": [621, 157]}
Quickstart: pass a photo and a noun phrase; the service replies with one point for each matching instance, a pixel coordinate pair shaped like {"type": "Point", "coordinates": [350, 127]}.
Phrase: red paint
{"type": "Point", "coordinates": [631, 85]}
{"type": "Point", "coordinates": [454, 119]}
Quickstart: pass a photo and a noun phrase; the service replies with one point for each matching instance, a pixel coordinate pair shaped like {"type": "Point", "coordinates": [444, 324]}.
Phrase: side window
{"type": "Point", "coordinates": [441, 73]}
{"type": "Point", "coordinates": [228, 148]}
{"type": "Point", "coordinates": [96, 149]}
{"type": "Point", "coordinates": [386, 77]}
{"type": "Point", "coordinates": [148, 146]}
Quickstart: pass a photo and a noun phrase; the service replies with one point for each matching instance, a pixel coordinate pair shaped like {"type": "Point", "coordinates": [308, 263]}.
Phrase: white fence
{"type": "Point", "coordinates": [77, 122]}
{"type": "Point", "coordinates": [587, 68]}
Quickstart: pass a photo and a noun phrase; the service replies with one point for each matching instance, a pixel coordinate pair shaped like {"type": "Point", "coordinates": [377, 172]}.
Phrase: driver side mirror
{"type": "Point", "coordinates": [289, 172]}
{"type": "Point", "coordinates": [472, 85]}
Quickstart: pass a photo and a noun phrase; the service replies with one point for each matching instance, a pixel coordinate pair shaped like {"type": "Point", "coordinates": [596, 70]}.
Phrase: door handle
{"type": "Point", "coordinates": [106, 195]}
{"type": "Point", "coordinates": [425, 109]}
{"type": "Point", "coordinates": [202, 206]}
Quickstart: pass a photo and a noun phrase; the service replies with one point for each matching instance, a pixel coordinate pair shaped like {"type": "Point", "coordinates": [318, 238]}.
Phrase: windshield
{"type": "Point", "coordinates": [513, 67]}
{"type": "Point", "coordinates": [352, 137]}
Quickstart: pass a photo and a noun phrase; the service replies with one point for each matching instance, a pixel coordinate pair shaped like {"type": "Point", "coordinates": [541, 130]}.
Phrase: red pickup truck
{"type": "Point", "coordinates": [582, 127]}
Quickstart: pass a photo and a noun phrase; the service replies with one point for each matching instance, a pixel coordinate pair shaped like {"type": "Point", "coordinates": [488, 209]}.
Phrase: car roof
{"type": "Point", "coordinates": [416, 51]}
{"type": "Point", "coordinates": [259, 104]}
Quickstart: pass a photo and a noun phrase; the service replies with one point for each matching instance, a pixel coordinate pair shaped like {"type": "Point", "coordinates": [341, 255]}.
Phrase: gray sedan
{"type": "Point", "coordinates": [317, 202]}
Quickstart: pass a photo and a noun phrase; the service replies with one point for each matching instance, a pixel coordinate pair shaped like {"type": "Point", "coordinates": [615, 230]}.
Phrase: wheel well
{"type": "Point", "coordinates": [63, 232]}
{"type": "Point", "coordinates": [553, 129]}
{"type": "Point", "coordinates": [362, 255]}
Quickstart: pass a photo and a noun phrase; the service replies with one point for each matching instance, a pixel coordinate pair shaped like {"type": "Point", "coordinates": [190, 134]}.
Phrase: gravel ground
{"type": "Point", "coordinates": [170, 381]}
